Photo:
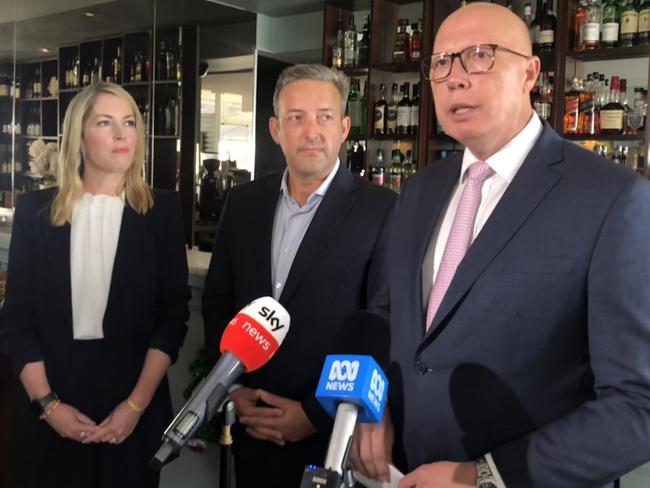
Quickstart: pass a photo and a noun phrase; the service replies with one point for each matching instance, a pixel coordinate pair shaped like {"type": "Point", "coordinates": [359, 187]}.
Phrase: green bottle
{"type": "Point", "coordinates": [629, 25]}
{"type": "Point", "coordinates": [611, 17]}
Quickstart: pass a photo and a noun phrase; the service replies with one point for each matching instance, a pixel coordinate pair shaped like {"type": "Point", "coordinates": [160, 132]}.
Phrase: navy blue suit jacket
{"type": "Point", "coordinates": [540, 350]}
{"type": "Point", "coordinates": [338, 267]}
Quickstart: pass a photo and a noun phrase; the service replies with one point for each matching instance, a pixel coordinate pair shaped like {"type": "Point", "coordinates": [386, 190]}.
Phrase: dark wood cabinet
{"type": "Point", "coordinates": [430, 142]}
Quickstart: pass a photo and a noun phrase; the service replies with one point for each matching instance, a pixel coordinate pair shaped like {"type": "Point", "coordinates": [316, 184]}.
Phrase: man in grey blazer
{"type": "Point", "coordinates": [533, 369]}
{"type": "Point", "coordinates": [314, 238]}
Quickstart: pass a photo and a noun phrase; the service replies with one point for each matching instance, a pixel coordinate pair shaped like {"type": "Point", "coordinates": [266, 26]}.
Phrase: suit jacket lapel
{"type": "Point", "coordinates": [262, 229]}
{"type": "Point", "coordinates": [431, 202]}
{"type": "Point", "coordinates": [531, 184]}
{"type": "Point", "coordinates": [58, 250]}
{"type": "Point", "coordinates": [337, 201]}
{"type": "Point", "coordinates": [129, 244]}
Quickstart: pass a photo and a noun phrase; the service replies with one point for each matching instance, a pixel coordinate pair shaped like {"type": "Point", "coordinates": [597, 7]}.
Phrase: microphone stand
{"type": "Point", "coordinates": [225, 443]}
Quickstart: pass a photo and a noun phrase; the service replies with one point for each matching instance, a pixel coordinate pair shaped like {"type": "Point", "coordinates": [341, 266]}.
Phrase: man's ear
{"type": "Point", "coordinates": [274, 129]}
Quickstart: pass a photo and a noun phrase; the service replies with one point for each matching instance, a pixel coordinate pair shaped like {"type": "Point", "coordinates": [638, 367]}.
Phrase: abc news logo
{"type": "Point", "coordinates": [343, 374]}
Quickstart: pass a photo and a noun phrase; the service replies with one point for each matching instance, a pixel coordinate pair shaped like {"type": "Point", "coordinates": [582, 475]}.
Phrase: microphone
{"type": "Point", "coordinates": [248, 342]}
{"type": "Point", "coordinates": [352, 388]}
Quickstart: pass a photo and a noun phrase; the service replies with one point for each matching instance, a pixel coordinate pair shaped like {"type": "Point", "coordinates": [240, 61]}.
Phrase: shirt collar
{"type": "Point", "coordinates": [507, 160]}
{"type": "Point", "coordinates": [319, 192]}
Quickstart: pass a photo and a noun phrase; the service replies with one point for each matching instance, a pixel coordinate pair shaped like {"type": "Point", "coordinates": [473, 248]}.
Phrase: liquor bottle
{"type": "Point", "coordinates": [402, 42]}
{"type": "Point", "coordinates": [378, 170]}
{"type": "Point", "coordinates": [170, 116]}
{"type": "Point", "coordinates": [76, 73]}
{"type": "Point", "coordinates": [337, 49]}
{"type": "Point", "coordinates": [639, 104]}
{"type": "Point", "coordinates": [644, 23]}
{"type": "Point", "coordinates": [536, 98]}
{"type": "Point", "coordinates": [36, 90]}
{"type": "Point", "coordinates": [380, 112]}
{"type": "Point", "coordinates": [571, 108]}
{"type": "Point", "coordinates": [94, 72]}
{"type": "Point", "coordinates": [161, 65]}
{"type": "Point", "coordinates": [611, 17]}
{"type": "Point", "coordinates": [546, 37]}
{"type": "Point", "coordinates": [391, 112]}
{"type": "Point", "coordinates": [623, 100]}
{"type": "Point", "coordinates": [528, 20]}
{"type": "Point", "coordinates": [350, 45]}
{"type": "Point", "coordinates": [137, 69]}
{"type": "Point", "coordinates": [629, 25]}
{"type": "Point", "coordinates": [415, 109]}
{"type": "Point", "coordinates": [117, 65]}
{"type": "Point", "coordinates": [578, 22]}
{"type": "Point", "coordinates": [145, 67]}
{"type": "Point", "coordinates": [590, 34]}
{"type": "Point", "coordinates": [408, 167]}
{"type": "Point", "coordinates": [354, 107]}
{"type": "Point", "coordinates": [509, 5]}
{"type": "Point", "coordinates": [612, 115]}
{"type": "Point", "coordinates": [416, 41]}
{"type": "Point", "coordinates": [170, 62]}
{"type": "Point", "coordinates": [404, 111]}
{"type": "Point", "coordinates": [589, 117]}
{"type": "Point", "coordinates": [363, 103]}
{"type": "Point", "coordinates": [356, 156]}
{"type": "Point", "coordinates": [395, 171]}
{"type": "Point", "coordinates": [85, 79]}
{"type": "Point", "coordinates": [364, 43]}
{"type": "Point", "coordinates": [535, 26]}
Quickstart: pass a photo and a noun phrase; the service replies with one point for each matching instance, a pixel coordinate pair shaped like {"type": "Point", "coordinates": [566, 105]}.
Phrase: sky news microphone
{"type": "Point", "coordinates": [352, 388]}
{"type": "Point", "coordinates": [251, 338]}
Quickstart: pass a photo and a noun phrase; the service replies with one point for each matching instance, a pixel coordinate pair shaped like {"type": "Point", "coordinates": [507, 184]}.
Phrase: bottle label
{"type": "Point", "coordinates": [644, 20]}
{"type": "Point", "coordinates": [611, 119]}
{"type": "Point", "coordinates": [337, 57]}
{"type": "Point", "coordinates": [415, 115]}
{"type": "Point", "coordinates": [590, 32]}
{"type": "Point", "coordinates": [392, 116]}
{"type": "Point", "coordinates": [629, 22]}
{"type": "Point", "coordinates": [571, 104]}
{"type": "Point", "coordinates": [546, 37]}
{"type": "Point", "coordinates": [610, 32]}
{"type": "Point", "coordinates": [379, 118]}
{"type": "Point", "coordinates": [403, 116]}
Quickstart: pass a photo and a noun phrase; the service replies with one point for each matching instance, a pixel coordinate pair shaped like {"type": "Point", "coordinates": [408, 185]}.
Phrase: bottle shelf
{"type": "Point", "coordinates": [69, 90]}
{"type": "Point", "coordinates": [355, 71]}
{"type": "Point", "coordinates": [45, 138]}
{"type": "Point", "coordinates": [37, 99]}
{"type": "Point", "coordinates": [395, 137]}
{"type": "Point", "coordinates": [604, 54]}
{"type": "Point", "coordinates": [604, 137]}
{"type": "Point", "coordinates": [407, 67]}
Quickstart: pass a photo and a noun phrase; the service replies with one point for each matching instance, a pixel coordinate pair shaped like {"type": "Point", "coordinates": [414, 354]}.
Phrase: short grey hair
{"type": "Point", "coordinates": [316, 72]}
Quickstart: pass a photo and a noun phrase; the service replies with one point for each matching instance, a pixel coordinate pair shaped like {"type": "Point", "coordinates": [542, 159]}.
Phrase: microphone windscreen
{"type": "Point", "coordinates": [366, 333]}
{"type": "Point", "coordinates": [256, 332]}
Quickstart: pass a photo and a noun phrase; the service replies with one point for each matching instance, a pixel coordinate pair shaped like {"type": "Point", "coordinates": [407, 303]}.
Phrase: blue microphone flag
{"type": "Point", "coordinates": [353, 379]}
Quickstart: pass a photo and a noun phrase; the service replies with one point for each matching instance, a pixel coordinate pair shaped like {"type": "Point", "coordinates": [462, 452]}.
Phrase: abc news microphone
{"type": "Point", "coordinates": [352, 388]}
{"type": "Point", "coordinates": [249, 340]}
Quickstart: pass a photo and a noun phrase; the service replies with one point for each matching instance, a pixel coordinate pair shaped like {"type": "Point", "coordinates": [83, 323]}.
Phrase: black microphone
{"type": "Point", "coordinates": [352, 388]}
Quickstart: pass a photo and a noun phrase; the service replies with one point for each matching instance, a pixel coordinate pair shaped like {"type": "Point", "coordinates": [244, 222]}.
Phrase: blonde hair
{"type": "Point", "coordinates": [70, 185]}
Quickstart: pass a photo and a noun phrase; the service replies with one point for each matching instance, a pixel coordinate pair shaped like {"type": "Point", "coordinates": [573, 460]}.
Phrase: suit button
{"type": "Point", "coordinates": [421, 368]}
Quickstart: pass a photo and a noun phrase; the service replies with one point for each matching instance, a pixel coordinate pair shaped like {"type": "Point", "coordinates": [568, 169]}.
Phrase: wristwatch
{"type": "Point", "coordinates": [484, 476]}
{"type": "Point", "coordinates": [38, 404]}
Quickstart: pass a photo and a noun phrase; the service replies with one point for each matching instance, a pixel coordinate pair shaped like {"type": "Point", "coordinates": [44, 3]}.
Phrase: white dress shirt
{"type": "Point", "coordinates": [505, 163]}
{"type": "Point", "coordinates": [95, 230]}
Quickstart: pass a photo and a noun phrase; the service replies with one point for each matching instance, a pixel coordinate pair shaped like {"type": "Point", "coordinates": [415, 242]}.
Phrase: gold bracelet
{"type": "Point", "coordinates": [51, 409]}
{"type": "Point", "coordinates": [133, 406]}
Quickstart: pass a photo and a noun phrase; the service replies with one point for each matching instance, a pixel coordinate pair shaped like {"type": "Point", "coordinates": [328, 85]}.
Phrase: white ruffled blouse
{"type": "Point", "coordinates": [95, 230]}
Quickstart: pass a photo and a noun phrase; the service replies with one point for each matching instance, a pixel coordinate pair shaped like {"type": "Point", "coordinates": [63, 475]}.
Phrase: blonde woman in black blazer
{"type": "Point", "coordinates": [96, 305]}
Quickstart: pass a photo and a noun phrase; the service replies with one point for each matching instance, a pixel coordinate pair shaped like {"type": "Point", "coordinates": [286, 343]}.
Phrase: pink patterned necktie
{"type": "Point", "coordinates": [460, 235]}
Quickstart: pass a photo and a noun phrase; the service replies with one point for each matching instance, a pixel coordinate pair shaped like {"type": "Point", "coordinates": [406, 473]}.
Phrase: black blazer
{"type": "Point", "coordinates": [147, 308]}
{"type": "Point", "coordinates": [336, 270]}
{"type": "Point", "coordinates": [539, 352]}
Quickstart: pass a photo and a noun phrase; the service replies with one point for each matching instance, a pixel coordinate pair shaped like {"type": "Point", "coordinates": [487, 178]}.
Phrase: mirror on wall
{"type": "Point", "coordinates": [51, 49]}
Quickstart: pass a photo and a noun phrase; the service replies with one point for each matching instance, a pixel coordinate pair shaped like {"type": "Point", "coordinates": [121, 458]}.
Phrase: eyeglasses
{"type": "Point", "coordinates": [473, 59]}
